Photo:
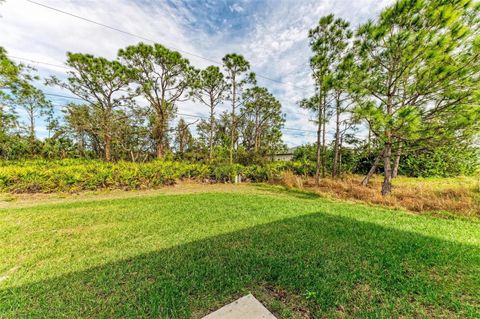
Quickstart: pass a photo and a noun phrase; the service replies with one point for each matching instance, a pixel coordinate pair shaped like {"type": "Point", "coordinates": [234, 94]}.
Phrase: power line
{"type": "Point", "coordinates": [151, 40]}
{"type": "Point", "coordinates": [39, 62]}
{"type": "Point", "coordinates": [69, 68]}
{"type": "Point", "coordinates": [181, 114]}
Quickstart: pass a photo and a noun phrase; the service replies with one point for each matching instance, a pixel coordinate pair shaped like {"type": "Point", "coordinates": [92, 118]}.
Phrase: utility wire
{"type": "Point", "coordinates": [69, 68]}
{"type": "Point", "coordinates": [40, 62]}
{"type": "Point", "coordinates": [151, 40]}
{"type": "Point", "coordinates": [181, 114]}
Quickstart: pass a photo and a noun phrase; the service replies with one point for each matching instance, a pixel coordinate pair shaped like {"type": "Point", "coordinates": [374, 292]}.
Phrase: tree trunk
{"type": "Point", "coordinates": [387, 154]}
{"type": "Point", "coordinates": [337, 138]}
{"type": "Point", "coordinates": [210, 137]}
{"type": "Point", "coordinates": [232, 132]}
{"type": "Point", "coordinates": [369, 137]}
{"type": "Point", "coordinates": [319, 136]}
{"type": "Point", "coordinates": [387, 178]}
{"type": "Point", "coordinates": [159, 134]}
{"type": "Point", "coordinates": [372, 169]}
{"type": "Point", "coordinates": [324, 123]}
{"type": "Point", "coordinates": [319, 146]}
{"type": "Point", "coordinates": [108, 147]}
{"type": "Point", "coordinates": [159, 150]}
{"type": "Point", "coordinates": [396, 163]}
{"type": "Point", "coordinates": [32, 125]}
{"type": "Point", "coordinates": [256, 135]}
{"type": "Point", "coordinates": [339, 168]}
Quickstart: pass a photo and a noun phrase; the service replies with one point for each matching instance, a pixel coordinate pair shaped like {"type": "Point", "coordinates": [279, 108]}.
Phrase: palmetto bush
{"type": "Point", "coordinates": [73, 175]}
{"type": "Point", "coordinates": [76, 175]}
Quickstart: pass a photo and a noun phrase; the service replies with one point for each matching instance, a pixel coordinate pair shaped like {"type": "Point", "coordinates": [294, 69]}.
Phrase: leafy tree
{"type": "Point", "coordinates": [83, 125]}
{"type": "Point", "coordinates": [132, 136]}
{"type": "Point", "coordinates": [163, 76]}
{"type": "Point", "coordinates": [262, 120]}
{"type": "Point", "coordinates": [210, 88]}
{"type": "Point", "coordinates": [416, 62]}
{"type": "Point", "coordinates": [17, 91]}
{"type": "Point", "coordinates": [183, 137]}
{"type": "Point", "coordinates": [236, 68]}
{"type": "Point", "coordinates": [10, 80]}
{"type": "Point", "coordinates": [9, 72]}
{"type": "Point", "coordinates": [342, 99]}
{"type": "Point", "coordinates": [101, 83]}
{"type": "Point", "coordinates": [33, 101]}
{"type": "Point", "coordinates": [328, 41]}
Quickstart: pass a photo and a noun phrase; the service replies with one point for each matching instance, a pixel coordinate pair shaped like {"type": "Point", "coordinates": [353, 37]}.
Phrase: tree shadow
{"type": "Point", "coordinates": [339, 267]}
{"type": "Point", "coordinates": [295, 192]}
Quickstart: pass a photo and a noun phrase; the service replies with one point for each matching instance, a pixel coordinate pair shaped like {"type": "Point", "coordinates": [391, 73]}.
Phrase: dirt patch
{"type": "Point", "coordinates": [282, 303]}
{"type": "Point", "coordinates": [8, 200]}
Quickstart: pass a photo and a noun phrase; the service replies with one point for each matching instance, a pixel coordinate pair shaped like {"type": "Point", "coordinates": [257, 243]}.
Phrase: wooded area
{"type": "Point", "coordinates": [410, 78]}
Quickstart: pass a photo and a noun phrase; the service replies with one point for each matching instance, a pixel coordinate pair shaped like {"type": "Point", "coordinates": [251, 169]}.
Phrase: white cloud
{"type": "Point", "coordinates": [236, 7]}
{"type": "Point", "coordinates": [275, 42]}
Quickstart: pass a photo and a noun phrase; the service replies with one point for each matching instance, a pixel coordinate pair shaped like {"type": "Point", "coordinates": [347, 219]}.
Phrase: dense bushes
{"type": "Point", "coordinates": [442, 162]}
{"type": "Point", "coordinates": [76, 175]}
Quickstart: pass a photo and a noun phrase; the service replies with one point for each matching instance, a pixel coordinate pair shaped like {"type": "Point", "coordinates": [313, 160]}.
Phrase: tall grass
{"type": "Point", "coordinates": [459, 195]}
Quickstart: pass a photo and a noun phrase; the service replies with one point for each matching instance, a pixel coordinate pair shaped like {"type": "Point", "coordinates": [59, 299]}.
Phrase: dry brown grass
{"type": "Point", "coordinates": [455, 195]}
{"type": "Point", "coordinates": [290, 180]}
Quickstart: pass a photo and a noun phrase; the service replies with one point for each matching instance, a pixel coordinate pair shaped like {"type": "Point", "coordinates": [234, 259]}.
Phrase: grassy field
{"type": "Point", "coordinates": [182, 255]}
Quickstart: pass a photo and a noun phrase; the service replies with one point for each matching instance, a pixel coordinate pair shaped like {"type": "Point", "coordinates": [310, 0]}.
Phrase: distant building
{"type": "Point", "coordinates": [286, 155]}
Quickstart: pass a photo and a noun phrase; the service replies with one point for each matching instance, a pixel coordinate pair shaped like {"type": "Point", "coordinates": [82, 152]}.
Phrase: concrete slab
{"type": "Point", "coordinates": [247, 307]}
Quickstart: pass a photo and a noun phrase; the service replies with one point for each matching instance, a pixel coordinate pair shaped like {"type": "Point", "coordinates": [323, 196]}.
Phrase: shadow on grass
{"type": "Point", "coordinates": [340, 267]}
{"type": "Point", "coordinates": [295, 192]}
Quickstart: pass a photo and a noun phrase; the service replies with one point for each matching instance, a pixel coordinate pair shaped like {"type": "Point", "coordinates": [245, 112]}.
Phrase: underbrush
{"type": "Point", "coordinates": [72, 175]}
{"type": "Point", "coordinates": [459, 195]}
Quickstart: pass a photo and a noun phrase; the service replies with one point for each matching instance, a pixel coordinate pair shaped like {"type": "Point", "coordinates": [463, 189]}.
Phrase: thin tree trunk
{"type": "Point", "coordinates": [337, 138]}
{"type": "Point", "coordinates": [232, 132]}
{"type": "Point", "coordinates": [107, 123]}
{"type": "Point", "coordinates": [317, 172]}
{"type": "Point", "coordinates": [372, 169]}
{"type": "Point", "coordinates": [32, 125]}
{"type": "Point", "coordinates": [319, 136]}
{"type": "Point", "coordinates": [387, 155]}
{"type": "Point", "coordinates": [369, 137]}
{"type": "Point", "coordinates": [387, 178]}
{"type": "Point", "coordinates": [255, 133]}
{"type": "Point", "coordinates": [210, 137]}
{"type": "Point", "coordinates": [396, 163]}
{"type": "Point", "coordinates": [339, 173]}
{"type": "Point", "coordinates": [324, 150]}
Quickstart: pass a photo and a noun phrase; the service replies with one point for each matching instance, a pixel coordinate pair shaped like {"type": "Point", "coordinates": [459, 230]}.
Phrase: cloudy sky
{"type": "Point", "coordinates": [271, 34]}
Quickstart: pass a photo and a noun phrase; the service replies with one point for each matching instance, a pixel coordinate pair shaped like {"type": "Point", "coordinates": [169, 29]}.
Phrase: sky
{"type": "Point", "coordinates": [271, 34]}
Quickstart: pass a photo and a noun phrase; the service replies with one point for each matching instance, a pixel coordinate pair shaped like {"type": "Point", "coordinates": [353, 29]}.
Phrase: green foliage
{"type": "Point", "coordinates": [236, 68]}
{"type": "Point", "coordinates": [444, 161]}
{"type": "Point", "coordinates": [72, 175]}
{"type": "Point", "coordinates": [261, 123]}
{"type": "Point", "coordinates": [163, 76]}
{"type": "Point", "coordinates": [77, 175]}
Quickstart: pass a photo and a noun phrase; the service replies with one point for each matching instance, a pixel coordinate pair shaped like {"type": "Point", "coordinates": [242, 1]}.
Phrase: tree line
{"type": "Point", "coordinates": [127, 106]}
{"type": "Point", "coordinates": [408, 79]}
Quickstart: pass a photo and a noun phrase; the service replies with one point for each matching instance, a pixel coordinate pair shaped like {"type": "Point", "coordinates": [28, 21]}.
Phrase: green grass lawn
{"type": "Point", "coordinates": [182, 256]}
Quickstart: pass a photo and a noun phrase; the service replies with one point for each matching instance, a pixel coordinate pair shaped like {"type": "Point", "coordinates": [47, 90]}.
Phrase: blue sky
{"type": "Point", "coordinates": [271, 34]}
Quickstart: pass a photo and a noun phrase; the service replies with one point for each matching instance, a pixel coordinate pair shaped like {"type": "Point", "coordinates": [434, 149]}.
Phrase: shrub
{"type": "Point", "coordinates": [71, 175]}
